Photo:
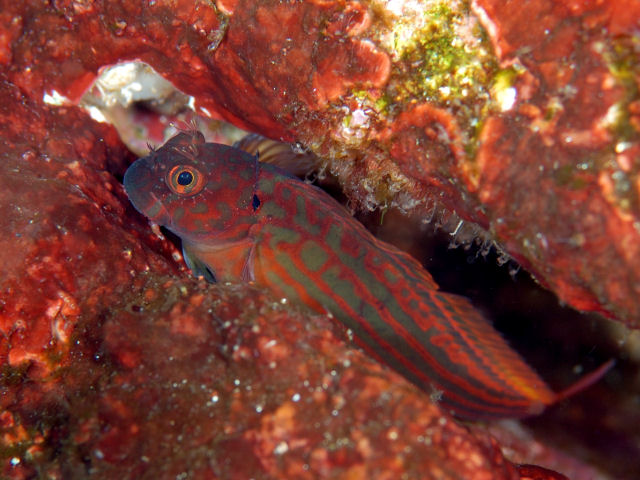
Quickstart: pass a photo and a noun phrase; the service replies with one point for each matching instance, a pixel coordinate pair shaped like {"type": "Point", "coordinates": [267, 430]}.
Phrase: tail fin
{"type": "Point", "coordinates": [586, 381]}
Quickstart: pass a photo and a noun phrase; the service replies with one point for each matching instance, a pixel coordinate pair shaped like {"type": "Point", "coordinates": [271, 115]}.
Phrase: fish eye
{"type": "Point", "coordinates": [185, 180]}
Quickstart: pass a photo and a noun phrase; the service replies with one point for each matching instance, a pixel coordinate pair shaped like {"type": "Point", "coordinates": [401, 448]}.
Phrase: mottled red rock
{"type": "Point", "coordinates": [585, 226]}
{"type": "Point", "coordinates": [522, 446]}
{"type": "Point", "coordinates": [552, 177]}
{"type": "Point", "coordinates": [242, 395]}
{"type": "Point", "coordinates": [433, 138]}
{"type": "Point", "coordinates": [533, 472]}
{"type": "Point", "coordinates": [340, 75]}
{"type": "Point", "coordinates": [55, 195]}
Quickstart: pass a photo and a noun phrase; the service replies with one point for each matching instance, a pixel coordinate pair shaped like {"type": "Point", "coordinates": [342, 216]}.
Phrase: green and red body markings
{"type": "Point", "coordinates": [241, 220]}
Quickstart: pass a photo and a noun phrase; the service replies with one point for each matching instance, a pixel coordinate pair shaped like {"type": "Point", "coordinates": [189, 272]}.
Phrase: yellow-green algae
{"type": "Point", "coordinates": [622, 58]}
{"type": "Point", "coordinates": [440, 54]}
{"type": "Point", "coordinates": [446, 60]}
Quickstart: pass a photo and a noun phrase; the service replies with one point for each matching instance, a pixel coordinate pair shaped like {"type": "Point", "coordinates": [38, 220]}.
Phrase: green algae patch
{"type": "Point", "coordinates": [621, 58]}
{"type": "Point", "coordinates": [623, 120]}
{"type": "Point", "coordinates": [444, 57]}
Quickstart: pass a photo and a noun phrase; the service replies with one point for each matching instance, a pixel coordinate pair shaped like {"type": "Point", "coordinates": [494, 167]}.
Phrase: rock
{"type": "Point", "coordinates": [533, 139]}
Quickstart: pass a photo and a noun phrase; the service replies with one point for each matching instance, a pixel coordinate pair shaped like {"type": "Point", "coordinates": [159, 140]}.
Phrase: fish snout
{"type": "Point", "coordinates": [139, 183]}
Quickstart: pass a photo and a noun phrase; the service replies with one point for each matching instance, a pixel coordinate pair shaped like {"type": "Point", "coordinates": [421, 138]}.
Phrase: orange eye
{"type": "Point", "coordinates": [185, 180]}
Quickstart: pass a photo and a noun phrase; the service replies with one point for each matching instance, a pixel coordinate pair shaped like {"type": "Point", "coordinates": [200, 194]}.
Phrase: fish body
{"type": "Point", "coordinates": [241, 220]}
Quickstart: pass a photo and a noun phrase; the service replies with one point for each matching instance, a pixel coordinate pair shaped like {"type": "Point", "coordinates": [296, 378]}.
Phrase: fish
{"type": "Point", "coordinates": [242, 220]}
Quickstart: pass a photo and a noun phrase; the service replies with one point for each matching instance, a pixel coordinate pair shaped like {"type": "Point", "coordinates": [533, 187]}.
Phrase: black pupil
{"type": "Point", "coordinates": [185, 178]}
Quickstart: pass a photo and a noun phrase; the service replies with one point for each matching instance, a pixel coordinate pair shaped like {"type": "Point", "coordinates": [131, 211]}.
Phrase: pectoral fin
{"type": "Point", "coordinates": [223, 261]}
{"type": "Point", "coordinates": [198, 267]}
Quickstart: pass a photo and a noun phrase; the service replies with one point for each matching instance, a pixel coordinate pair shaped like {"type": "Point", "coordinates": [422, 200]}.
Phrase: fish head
{"type": "Point", "coordinates": [193, 188]}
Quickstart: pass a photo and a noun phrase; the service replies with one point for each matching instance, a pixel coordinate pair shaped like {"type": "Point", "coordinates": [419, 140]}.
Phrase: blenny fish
{"type": "Point", "coordinates": [241, 220]}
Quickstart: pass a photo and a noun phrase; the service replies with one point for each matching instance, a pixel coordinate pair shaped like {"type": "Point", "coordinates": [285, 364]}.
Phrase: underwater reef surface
{"type": "Point", "coordinates": [523, 120]}
{"type": "Point", "coordinates": [520, 123]}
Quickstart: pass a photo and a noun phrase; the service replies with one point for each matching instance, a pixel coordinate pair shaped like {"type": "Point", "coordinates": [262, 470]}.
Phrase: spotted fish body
{"type": "Point", "coordinates": [241, 220]}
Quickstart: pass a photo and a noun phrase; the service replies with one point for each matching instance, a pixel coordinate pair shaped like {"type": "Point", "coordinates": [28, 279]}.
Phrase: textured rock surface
{"type": "Point", "coordinates": [532, 136]}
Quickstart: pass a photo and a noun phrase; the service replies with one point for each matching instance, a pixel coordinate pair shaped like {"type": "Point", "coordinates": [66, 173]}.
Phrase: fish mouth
{"type": "Point", "coordinates": [139, 182]}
